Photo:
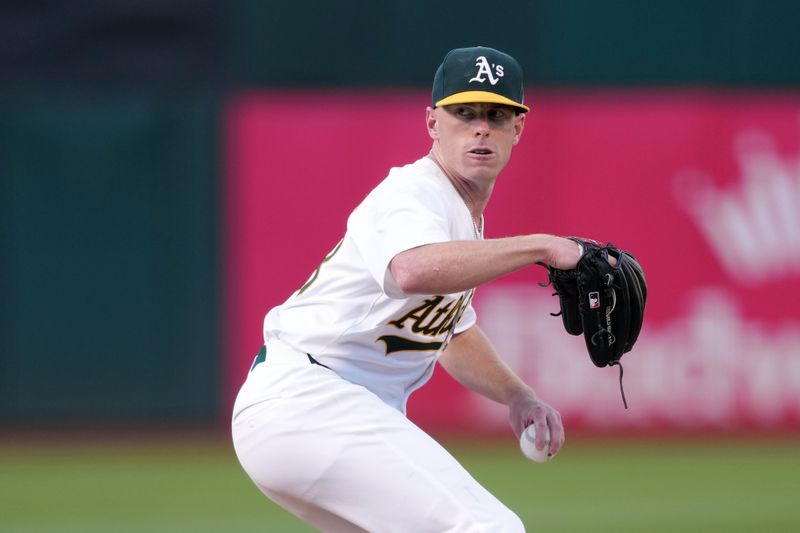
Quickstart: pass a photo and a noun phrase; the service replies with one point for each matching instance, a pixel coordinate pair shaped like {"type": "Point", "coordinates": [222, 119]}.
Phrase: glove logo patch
{"type": "Point", "coordinates": [594, 300]}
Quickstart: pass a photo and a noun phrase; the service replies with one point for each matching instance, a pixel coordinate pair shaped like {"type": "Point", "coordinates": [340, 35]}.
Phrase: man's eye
{"type": "Point", "coordinates": [464, 112]}
{"type": "Point", "coordinates": [496, 114]}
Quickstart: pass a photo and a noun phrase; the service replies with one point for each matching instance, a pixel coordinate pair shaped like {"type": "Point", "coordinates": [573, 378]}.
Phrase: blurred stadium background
{"type": "Point", "coordinates": [169, 170]}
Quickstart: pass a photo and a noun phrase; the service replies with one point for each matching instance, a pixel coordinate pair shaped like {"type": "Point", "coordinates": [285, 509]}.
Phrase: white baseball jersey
{"type": "Point", "coordinates": [333, 445]}
{"type": "Point", "coordinates": [352, 317]}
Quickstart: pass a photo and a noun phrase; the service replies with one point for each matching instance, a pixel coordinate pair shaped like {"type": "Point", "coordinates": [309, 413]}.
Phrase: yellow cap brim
{"type": "Point", "coordinates": [473, 97]}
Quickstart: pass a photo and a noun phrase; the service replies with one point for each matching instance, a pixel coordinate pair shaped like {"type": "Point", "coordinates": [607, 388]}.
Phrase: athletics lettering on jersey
{"type": "Point", "coordinates": [435, 316]}
{"type": "Point", "coordinates": [401, 344]}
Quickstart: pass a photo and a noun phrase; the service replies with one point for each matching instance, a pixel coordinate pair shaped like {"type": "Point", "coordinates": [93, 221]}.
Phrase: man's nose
{"type": "Point", "coordinates": [482, 126]}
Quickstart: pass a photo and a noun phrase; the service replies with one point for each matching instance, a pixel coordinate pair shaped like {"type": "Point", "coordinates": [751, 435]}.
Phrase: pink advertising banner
{"type": "Point", "coordinates": [703, 187]}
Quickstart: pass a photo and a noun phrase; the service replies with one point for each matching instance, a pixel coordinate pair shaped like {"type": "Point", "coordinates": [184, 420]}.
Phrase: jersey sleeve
{"type": "Point", "coordinates": [391, 222]}
{"type": "Point", "coordinates": [468, 319]}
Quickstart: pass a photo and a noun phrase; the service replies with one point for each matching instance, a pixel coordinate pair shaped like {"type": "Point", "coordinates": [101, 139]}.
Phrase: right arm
{"type": "Point", "coordinates": [457, 266]}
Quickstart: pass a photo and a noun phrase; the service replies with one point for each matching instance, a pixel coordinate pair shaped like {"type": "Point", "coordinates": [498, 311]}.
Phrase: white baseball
{"type": "Point", "coordinates": [527, 443]}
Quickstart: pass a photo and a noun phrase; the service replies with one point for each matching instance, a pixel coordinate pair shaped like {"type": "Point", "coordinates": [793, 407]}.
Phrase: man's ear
{"type": "Point", "coordinates": [432, 122]}
{"type": "Point", "coordinates": [519, 126]}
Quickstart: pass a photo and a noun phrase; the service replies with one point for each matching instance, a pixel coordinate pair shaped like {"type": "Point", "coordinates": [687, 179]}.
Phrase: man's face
{"type": "Point", "coordinates": [474, 140]}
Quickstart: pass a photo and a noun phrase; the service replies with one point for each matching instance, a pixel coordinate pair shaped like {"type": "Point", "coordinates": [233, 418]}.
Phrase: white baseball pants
{"type": "Point", "coordinates": [336, 456]}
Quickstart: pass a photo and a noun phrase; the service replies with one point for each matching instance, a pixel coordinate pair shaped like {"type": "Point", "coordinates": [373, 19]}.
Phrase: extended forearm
{"type": "Point", "coordinates": [456, 266]}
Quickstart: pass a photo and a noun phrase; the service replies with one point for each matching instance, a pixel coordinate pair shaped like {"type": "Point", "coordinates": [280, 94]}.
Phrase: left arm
{"type": "Point", "coordinates": [472, 360]}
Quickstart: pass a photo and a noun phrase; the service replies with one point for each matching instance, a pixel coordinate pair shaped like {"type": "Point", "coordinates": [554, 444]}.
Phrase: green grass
{"type": "Point", "coordinates": [706, 486]}
{"type": "Point", "coordinates": [593, 485]}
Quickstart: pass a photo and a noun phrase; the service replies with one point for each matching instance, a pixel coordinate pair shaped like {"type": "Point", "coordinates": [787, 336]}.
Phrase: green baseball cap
{"type": "Point", "coordinates": [478, 74]}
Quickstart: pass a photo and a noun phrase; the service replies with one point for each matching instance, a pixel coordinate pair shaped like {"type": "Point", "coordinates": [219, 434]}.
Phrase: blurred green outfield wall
{"type": "Point", "coordinates": [109, 205]}
{"type": "Point", "coordinates": [559, 43]}
{"type": "Point", "coordinates": [109, 260]}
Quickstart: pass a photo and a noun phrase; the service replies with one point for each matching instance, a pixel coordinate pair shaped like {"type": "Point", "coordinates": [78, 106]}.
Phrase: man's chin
{"type": "Point", "coordinates": [483, 170]}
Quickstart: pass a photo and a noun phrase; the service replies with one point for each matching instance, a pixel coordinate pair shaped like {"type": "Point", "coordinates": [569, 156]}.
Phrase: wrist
{"type": "Point", "coordinates": [540, 247]}
{"type": "Point", "coordinates": [521, 394]}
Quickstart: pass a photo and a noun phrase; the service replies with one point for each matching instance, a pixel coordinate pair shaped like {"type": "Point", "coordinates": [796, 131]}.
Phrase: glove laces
{"type": "Point", "coordinates": [621, 388]}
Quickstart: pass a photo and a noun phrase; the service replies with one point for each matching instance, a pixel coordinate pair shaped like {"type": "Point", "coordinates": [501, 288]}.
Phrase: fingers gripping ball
{"type": "Point", "coordinates": [527, 443]}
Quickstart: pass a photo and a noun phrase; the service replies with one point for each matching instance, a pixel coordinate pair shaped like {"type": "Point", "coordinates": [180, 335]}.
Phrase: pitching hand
{"type": "Point", "coordinates": [529, 409]}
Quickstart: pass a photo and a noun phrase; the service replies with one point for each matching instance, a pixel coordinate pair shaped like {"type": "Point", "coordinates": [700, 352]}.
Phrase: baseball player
{"type": "Point", "coordinates": [319, 424]}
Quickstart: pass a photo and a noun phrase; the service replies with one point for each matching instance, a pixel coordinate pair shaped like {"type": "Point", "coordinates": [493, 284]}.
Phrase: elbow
{"type": "Point", "coordinates": [407, 278]}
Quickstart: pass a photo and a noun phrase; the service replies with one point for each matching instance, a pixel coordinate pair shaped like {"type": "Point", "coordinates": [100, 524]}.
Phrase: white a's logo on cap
{"type": "Point", "coordinates": [484, 70]}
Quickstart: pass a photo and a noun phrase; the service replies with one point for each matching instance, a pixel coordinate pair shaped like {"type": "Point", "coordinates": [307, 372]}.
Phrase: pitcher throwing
{"type": "Point", "coordinates": [319, 424]}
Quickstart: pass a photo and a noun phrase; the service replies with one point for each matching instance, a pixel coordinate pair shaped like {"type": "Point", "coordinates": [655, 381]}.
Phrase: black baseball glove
{"type": "Point", "coordinates": [602, 301]}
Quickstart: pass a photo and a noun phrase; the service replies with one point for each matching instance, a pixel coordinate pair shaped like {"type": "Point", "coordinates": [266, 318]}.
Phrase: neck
{"type": "Point", "coordinates": [475, 195]}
